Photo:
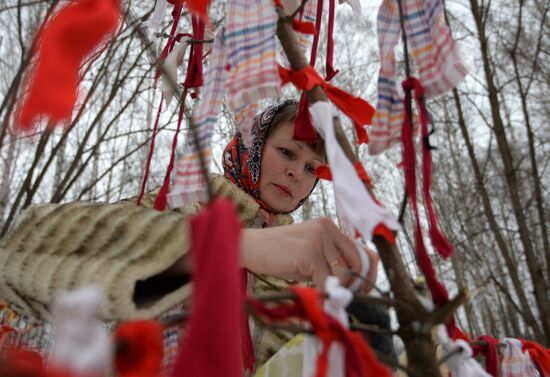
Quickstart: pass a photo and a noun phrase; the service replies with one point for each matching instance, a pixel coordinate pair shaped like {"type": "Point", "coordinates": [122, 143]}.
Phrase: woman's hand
{"type": "Point", "coordinates": [311, 250]}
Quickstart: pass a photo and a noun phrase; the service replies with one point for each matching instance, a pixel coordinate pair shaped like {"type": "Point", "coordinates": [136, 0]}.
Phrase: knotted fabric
{"type": "Point", "coordinates": [360, 360]}
{"type": "Point", "coordinates": [60, 48]}
{"type": "Point", "coordinates": [217, 306]}
{"type": "Point", "coordinates": [433, 50]}
{"type": "Point", "coordinates": [357, 109]}
{"type": "Point", "coordinates": [490, 352]}
{"type": "Point", "coordinates": [139, 349]}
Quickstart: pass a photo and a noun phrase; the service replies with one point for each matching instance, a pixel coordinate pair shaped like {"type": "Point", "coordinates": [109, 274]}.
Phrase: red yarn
{"type": "Point", "coordinates": [141, 349]}
{"type": "Point", "coordinates": [160, 200]}
{"type": "Point", "coordinates": [539, 355]}
{"type": "Point", "coordinates": [150, 155]}
{"type": "Point", "coordinates": [60, 48]}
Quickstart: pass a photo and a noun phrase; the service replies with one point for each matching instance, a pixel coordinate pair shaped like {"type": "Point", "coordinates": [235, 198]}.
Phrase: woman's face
{"type": "Point", "coordinates": [288, 169]}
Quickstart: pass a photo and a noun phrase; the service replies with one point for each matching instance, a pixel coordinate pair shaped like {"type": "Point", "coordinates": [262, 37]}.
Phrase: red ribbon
{"type": "Point", "coordinates": [60, 48]}
{"type": "Point", "coordinates": [176, 14]}
{"type": "Point", "coordinates": [329, 68]}
{"type": "Point", "coordinates": [357, 109]}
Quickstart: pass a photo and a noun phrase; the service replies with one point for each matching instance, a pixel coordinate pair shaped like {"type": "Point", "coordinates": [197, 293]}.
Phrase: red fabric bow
{"type": "Point", "coordinates": [304, 27]}
{"type": "Point", "coordinates": [194, 78]}
{"type": "Point", "coordinates": [357, 109]}
{"type": "Point", "coordinates": [60, 48]}
{"type": "Point", "coordinates": [141, 349]}
{"type": "Point", "coordinates": [360, 359]}
{"type": "Point", "coordinates": [212, 343]}
{"type": "Point", "coordinates": [539, 355]}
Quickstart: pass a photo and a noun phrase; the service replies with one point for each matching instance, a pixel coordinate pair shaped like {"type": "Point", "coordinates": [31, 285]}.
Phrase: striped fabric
{"type": "Point", "coordinates": [251, 53]}
{"type": "Point", "coordinates": [515, 362]}
{"type": "Point", "coordinates": [246, 48]}
{"type": "Point", "coordinates": [434, 52]}
{"type": "Point", "coordinates": [189, 185]}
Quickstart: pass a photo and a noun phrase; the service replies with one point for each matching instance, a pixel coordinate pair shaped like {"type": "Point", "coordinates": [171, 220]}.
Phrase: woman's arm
{"type": "Point", "coordinates": [308, 251]}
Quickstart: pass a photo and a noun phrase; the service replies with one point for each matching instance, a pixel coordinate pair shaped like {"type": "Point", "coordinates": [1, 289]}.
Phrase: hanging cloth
{"type": "Point", "coordinates": [434, 53]}
{"type": "Point", "coordinates": [212, 343]}
{"type": "Point", "coordinates": [250, 42]}
{"type": "Point", "coordinates": [60, 49]}
{"type": "Point", "coordinates": [189, 184]}
{"type": "Point", "coordinates": [515, 362]}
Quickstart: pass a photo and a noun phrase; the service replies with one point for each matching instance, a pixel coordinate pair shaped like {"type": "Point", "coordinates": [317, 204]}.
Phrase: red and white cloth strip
{"type": "Point", "coordinates": [515, 362]}
{"type": "Point", "coordinates": [189, 184]}
{"type": "Point", "coordinates": [434, 52]}
{"type": "Point", "coordinates": [357, 209]}
{"type": "Point", "coordinates": [250, 37]}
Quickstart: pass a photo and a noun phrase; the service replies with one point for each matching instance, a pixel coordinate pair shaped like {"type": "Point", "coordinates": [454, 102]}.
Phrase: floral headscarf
{"type": "Point", "coordinates": [242, 165]}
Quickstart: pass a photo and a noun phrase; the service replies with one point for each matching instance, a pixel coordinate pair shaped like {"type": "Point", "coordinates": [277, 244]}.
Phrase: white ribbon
{"type": "Point", "coordinates": [82, 343]}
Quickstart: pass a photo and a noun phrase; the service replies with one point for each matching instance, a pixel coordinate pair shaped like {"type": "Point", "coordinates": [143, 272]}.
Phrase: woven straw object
{"type": "Point", "coordinates": [65, 246]}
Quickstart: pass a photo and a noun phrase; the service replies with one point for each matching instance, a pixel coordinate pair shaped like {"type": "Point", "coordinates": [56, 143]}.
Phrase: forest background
{"type": "Point", "coordinates": [491, 165]}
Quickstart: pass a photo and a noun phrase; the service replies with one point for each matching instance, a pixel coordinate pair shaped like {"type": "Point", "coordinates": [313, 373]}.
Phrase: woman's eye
{"type": "Point", "coordinates": [310, 169]}
{"type": "Point", "coordinates": [286, 152]}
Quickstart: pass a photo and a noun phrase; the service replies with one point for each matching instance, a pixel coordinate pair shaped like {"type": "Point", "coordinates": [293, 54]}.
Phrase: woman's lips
{"type": "Point", "coordinates": [283, 189]}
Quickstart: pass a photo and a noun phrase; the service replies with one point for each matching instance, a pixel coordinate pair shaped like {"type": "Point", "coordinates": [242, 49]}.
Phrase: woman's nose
{"type": "Point", "coordinates": [293, 172]}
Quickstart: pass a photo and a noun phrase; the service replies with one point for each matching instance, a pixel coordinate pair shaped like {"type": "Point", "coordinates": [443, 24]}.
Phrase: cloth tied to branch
{"type": "Point", "coordinates": [357, 109]}
{"type": "Point", "coordinates": [490, 352]}
{"type": "Point", "coordinates": [539, 354]}
{"type": "Point", "coordinates": [60, 49]}
{"type": "Point", "coordinates": [433, 50]}
{"type": "Point", "coordinates": [356, 207]}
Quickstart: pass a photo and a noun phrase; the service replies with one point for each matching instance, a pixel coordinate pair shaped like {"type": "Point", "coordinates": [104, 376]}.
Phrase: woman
{"type": "Point", "coordinates": [135, 253]}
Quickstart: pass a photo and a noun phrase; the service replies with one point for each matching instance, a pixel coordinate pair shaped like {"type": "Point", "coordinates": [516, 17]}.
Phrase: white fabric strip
{"type": "Point", "coordinates": [171, 64]}
{"type": "Point", "coordinates": [355, 205]}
